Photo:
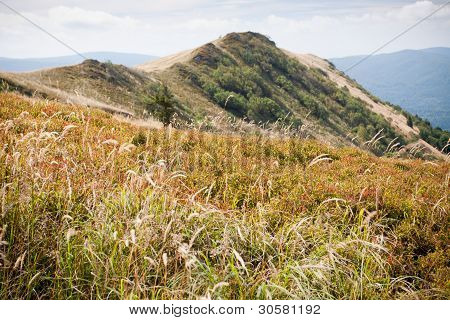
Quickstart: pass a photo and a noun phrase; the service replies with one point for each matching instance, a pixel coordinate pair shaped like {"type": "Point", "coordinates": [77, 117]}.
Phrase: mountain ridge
{"type": "Point", "coordinates": [245, 76]}
{"type": "Point", "coordinates": [34, 64]}
{"type": "Point", "coordinates": [417, 80]}
{"type": "Point", "coordinates": [183, 60]}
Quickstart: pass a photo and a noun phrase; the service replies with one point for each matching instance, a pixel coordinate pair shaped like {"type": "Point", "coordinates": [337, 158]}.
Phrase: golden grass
{"type": "Point", "coordinates": [95, 208]}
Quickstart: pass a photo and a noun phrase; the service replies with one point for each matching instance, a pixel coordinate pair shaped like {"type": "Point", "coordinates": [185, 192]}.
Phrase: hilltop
{"type": "Point", "coordinates": [92, 83]}
{"type": "Point", "coordinates": [97, 208]}
{"type": "Point", "coordinates": [417, 80]}
{"type": "Point", "coordinates": [248, 76]}
{"type": "Point", "coordinates": [245, 77]}
{"type": "Point", "coordinates": [33, 64]}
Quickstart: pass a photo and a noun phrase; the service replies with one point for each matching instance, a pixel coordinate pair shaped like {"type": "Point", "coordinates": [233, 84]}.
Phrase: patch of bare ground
{"type": "Point", "coordinates": [166, 62]}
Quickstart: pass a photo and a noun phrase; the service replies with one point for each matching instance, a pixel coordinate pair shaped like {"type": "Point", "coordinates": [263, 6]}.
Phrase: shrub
{"type": "Point", "coordinates": [161, 104]}
{"type": "Point", "coordinates": [139, 139]}
{"type": "Point", "coordinates": [231, 101]}
{"type": "Point", "coordinates": [264, 109]}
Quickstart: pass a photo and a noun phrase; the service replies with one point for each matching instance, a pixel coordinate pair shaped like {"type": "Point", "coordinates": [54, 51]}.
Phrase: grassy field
{"type": "Point", "coordinates": [94, 208]}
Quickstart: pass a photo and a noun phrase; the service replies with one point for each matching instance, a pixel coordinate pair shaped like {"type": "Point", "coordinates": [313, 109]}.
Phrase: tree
{"type": "Point", "coordinates": [161, 105]}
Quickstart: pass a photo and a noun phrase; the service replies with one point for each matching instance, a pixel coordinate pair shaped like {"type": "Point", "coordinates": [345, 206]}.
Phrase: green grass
{"type": "Point", "coordinates": [87, 214]}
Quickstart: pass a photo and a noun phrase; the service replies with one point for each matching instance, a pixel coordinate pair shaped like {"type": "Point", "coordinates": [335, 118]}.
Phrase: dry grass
{"type": "Point", "coordinates": [94, 208]}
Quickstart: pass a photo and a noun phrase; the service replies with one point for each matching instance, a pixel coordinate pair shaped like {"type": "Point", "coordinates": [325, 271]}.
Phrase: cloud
{"type": "Point", "coordinates": [360, 33]}
{"type": "Point", "coordinates": [212, 24]}
{"type": "Point", "coordinates": [325, 28]}
{"type": "Point", "coordinates": [313, 24]}
{"type": "Point", "coordinates": [116, 7]}
{"type": "Point", "coordinates": [417, 11]}
{"type": "Point", "coordinates": [408, 13]}
{"type": "Point", "coordinates": [79, 18]}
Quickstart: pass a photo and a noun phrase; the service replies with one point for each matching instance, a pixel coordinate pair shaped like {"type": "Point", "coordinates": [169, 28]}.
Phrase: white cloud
{"type": "Point", "coordinates": [79, 18]}
{"type": "Point", "coordinates": [211, 24]}
{"type": "Point", "coordinates": [417, 11]}
{"type": "Point", "coordinates": [164, 27]}
{"type": "Point", "coordinates": [314, 24]}
{"type": "Point", "coordinates": [348, 34]}
{"type": "Point", "coordinates": [113, 6]}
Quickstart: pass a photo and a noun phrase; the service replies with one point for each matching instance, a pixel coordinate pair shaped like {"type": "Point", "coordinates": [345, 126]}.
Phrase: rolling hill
{"type": "Point", "coordinates": [281, 178]}
{"type": "Point", "coordinates": [244, 77]}
{"type": "Point", "coordinates": [92, 83]}
{"type": "Point", "coordinates": [32, 64]}
{"type": "Point", "coordinates": [96, 208]}
{"type": "Point", "coordinates": [248, 76]}
{"type": "Point", "coordinates": [417, 80]}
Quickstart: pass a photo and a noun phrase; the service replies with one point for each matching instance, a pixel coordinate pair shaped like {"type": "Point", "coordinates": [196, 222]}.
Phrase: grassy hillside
{"type": "Point", "coordinates": [242, 77]}
{"type": "Point", "coordinates": [106, 83]}
{"type": "Point", "coordinates": [94, 208]}
{"type": "Point", "coordinates": [107, 86]}
{"type": "Point", "coordinates": [249, 77]}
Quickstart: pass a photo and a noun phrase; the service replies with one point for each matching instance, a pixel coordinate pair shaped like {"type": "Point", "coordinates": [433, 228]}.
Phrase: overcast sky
{"type": "Point", "coordinates": [160, 27]}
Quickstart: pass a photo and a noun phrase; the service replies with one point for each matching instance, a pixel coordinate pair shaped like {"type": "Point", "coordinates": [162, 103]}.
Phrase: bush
{"type": "Point", "coordinates": [231, 101]}
{"type": "Point", "coordinates": [264, 109]}
{"type": "Point", "coordinates": [135, 224]}
{"type": "Point", "coordinates": [139, 139]}
{"type": "Point", "coordinates": [285, 84]}
{"type": "Point", "coordinates": [316, 107]}
{"type": "Point", "coordinates": [161, 104]}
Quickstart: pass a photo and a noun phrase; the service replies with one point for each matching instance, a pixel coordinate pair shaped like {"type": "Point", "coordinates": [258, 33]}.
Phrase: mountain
{"type": "Point", "coordinates": [417, 80]}
{"type": "Point", "coordinates": [32, 64]}
{"type": "Point", "coordinates": [249, 77]}
{"type": "Point", "coordinates": [243, 82]}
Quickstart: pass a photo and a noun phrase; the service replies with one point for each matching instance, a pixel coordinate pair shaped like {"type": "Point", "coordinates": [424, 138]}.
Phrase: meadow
{"type": "Point", "coordinates": [97, 208]}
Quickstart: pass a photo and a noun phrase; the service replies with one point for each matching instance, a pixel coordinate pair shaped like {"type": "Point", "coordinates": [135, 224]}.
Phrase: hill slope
{"type": "Point", "coordinates": [243, 81]}
{"type": "Point", "coordinates": [94, 208]}
{"type": "Point", "coordinates": [248, 76]}
{"type": "Point", "coordinates": [104, 85]}
{"type": "Point", "coordinates": [32, 64]}
{"type": "Point", "coordinates": [417, 80]}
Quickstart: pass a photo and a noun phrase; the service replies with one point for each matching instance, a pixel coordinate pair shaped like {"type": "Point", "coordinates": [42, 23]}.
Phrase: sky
{"type": "Point", "coordinates": [160, 27]}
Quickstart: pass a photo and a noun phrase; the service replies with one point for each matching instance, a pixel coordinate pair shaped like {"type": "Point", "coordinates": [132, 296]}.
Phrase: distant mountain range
{"type": "Point", "coordinates": [32, 64]}
{"type": "Point", "coordinates": [417, 80]}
